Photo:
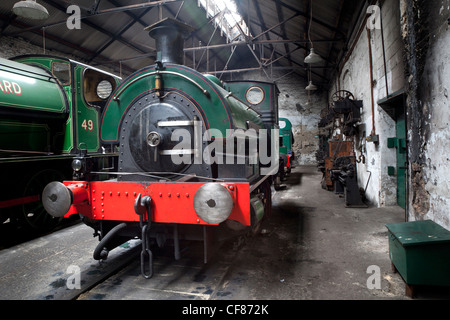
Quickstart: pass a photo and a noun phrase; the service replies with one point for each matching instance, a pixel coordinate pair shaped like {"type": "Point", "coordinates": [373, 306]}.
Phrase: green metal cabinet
{"type": "Point", "coordinates": [420, 251]}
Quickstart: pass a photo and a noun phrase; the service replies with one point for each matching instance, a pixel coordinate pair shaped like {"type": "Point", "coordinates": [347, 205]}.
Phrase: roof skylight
{"type": "Point", "coordinates": [227, 17]}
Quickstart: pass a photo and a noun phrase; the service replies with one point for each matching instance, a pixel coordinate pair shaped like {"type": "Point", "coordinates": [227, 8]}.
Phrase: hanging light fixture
{"type": "Point", "coordinates": [30, 9]}
{"type": "Point", "coordinates": [311, 86]}
{"type": "Point", "coordinates": [313, 57]}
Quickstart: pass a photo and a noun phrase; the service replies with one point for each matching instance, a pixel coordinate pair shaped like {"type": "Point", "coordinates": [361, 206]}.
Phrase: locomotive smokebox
{"type": "Point", "coordinates": [169, 35]}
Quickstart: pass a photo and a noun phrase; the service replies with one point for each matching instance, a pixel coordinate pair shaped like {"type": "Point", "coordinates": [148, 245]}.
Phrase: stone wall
{"type": "Point", "coordinates": [354, 76]}
{"type": "Point", "coordinates": [300, 107]}
{"type": "Point", "coordinates": [426, 37]}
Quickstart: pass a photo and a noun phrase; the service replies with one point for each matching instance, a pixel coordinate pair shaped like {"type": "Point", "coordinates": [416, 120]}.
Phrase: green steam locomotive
{"type": "Point", "coordinates": [50, 109]}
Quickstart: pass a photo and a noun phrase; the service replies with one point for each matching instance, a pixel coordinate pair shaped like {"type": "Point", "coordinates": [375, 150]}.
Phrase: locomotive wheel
{"type": "Point", "coordinates": [255, 228]}
{"type": "Point", "coordinates": [33, 214]}
{"type": "Point", "coordinates": [267, 191]}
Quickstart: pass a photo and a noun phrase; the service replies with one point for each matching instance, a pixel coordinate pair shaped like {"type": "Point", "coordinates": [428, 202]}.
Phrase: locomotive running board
{"type": "Point", "coordinates": [172, 201]}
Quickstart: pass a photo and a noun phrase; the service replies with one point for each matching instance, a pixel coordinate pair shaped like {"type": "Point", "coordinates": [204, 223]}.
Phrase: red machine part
{"type": "Point", "coordinates": [18, 201]}
{"type": "Point", "coordinates": [171, 202]}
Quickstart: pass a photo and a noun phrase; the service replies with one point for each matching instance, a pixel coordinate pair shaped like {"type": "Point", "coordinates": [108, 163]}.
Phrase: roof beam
{"type": "Point", "coordinates": [98, 28]}
{"type": "Point", "coordinates": [64, 42]}
{"type": "Point", "coordinates": [262, 42]}
{"type": "Point", "coordinates": [134, 20]}
{"type": "Point", "coordinates": [263, 24]}
{"type": "Point", "coordinates": [337, 25]}
{"type": "Point", "coordinates": [7, 22]}
{"type": "Point", "coordinates": [306, 15]}
{"type": "Point", "coordinates": [283, 32]}
{"type": "Point", "coordinates": [275, 26]}
{"type": "Point", "coordinates": [101, 12]}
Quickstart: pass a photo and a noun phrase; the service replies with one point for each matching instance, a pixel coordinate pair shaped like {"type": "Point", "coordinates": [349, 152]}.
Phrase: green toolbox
{"type": "Point", "coordinates": [420, 251]}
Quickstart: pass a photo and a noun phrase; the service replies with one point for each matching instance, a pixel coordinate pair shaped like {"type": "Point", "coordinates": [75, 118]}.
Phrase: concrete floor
{"type": "Point", "coordinates": [323, 249]}
{"type": "Point", "coordinates": [311, 248]}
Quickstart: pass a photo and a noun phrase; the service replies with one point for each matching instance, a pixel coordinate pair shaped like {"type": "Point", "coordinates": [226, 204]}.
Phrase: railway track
{"type": "Point", "coordinates": [186, 278]}
{"type": "Point", "coordinates": [59, 266]}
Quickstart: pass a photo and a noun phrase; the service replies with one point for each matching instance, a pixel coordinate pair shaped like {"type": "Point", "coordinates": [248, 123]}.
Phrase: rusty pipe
{"type": "Point", "coordinates": [371, 82]}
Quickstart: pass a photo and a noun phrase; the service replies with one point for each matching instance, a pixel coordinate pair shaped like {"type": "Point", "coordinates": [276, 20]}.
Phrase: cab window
{"type": "Point", "coordinates": [61, 71]}
{"type": "Point", "coordinates": [98, 87]}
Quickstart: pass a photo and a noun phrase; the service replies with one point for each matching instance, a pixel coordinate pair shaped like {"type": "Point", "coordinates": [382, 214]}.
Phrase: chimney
{"type": "Point", "coordinates": [169, 35]}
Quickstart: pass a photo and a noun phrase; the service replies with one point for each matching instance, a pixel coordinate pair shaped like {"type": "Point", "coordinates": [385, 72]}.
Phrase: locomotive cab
{"type": "Point", "coordinates": [79, 110]}
{"type": "Point", "coordinates": [97, 87]}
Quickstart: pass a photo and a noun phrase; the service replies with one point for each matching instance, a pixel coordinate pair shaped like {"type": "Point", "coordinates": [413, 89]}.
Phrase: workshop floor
{"type": "Point", "coordinates": [311, 248]}
{"type": "Point", "coordinates": [323, 249]}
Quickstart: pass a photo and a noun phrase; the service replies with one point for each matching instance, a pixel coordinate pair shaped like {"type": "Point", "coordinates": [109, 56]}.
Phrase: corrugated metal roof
{"type": "Point", "coordinates": [112, 33]}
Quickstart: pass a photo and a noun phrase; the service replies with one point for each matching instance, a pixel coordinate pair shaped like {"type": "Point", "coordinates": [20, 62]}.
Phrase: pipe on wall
{"type": "Point", "coordinates": [383, 48]}
{"type": "Point", "coordinates": [371, 82]}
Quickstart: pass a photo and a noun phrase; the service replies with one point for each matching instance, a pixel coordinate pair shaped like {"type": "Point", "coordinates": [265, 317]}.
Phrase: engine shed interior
{"type": "Point", "coordinates": [360, 87]}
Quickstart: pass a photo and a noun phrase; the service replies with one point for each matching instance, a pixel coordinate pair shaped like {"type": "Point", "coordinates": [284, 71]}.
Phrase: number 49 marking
{"type": "Point", "coordinates": [88, 125]}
